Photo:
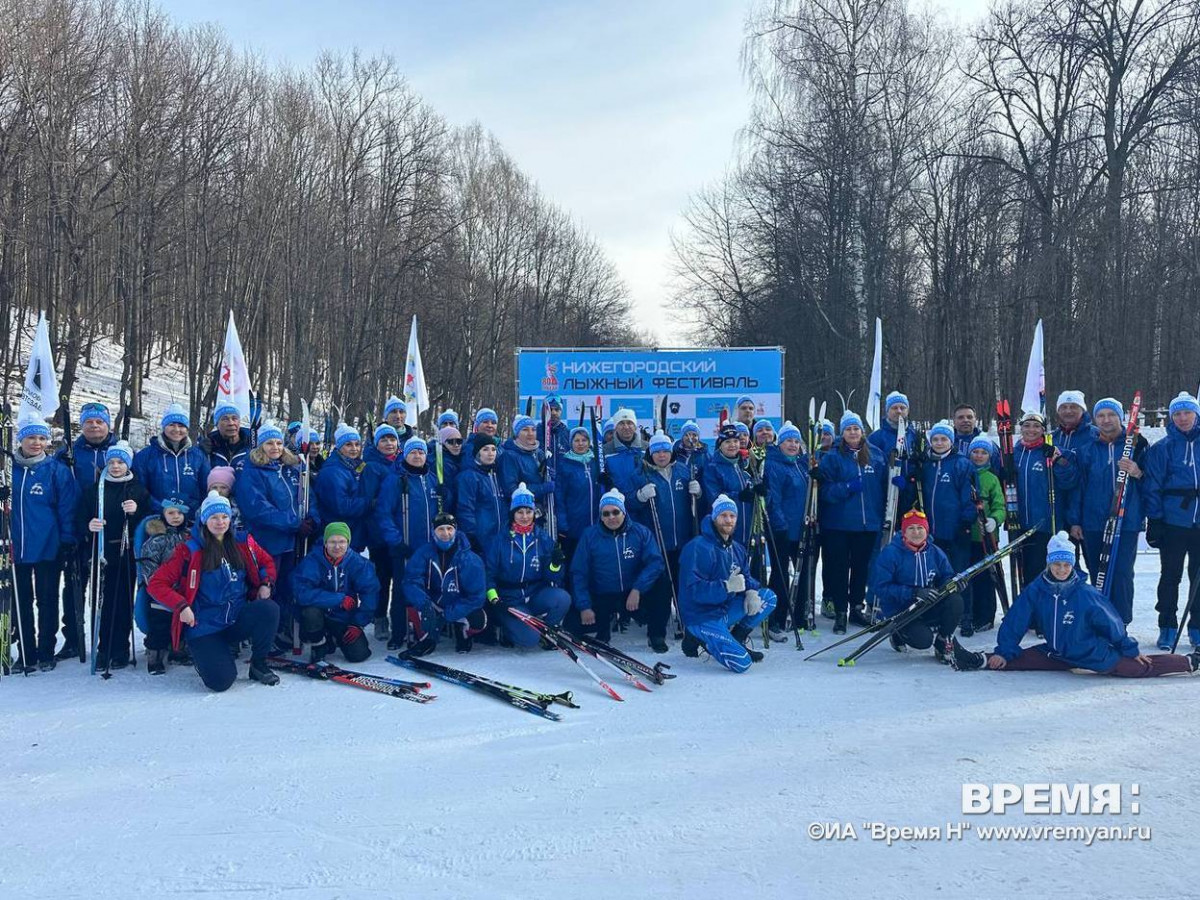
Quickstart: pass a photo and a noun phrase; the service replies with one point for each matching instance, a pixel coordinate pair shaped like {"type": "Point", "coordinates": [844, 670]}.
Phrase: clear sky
{"type": "Point", "coordinates": [618, 109]}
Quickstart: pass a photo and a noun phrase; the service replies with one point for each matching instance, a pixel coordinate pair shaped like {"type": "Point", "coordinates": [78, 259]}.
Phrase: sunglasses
{"type": "Point", "coordinates": [611, 514]}
{"type": "Point", "coordinates": [454, 442]}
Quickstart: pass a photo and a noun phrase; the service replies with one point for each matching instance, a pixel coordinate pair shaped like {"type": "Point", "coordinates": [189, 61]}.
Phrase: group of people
{"type": "Point", "coordinates": [260, 537]}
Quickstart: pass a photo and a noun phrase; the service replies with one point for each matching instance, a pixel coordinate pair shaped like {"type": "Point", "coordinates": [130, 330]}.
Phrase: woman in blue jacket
{"type": "Point", "coordinates": [854, 478]}
{"type": "Point", "coordinates": [336, 596]}
{"type": "Point", "coordinates": [1033, 458]}
{"type": "Point", "coordinates": [1082, 629]}
{"type": "Point", "coordinates": [577, 491]}
{"type": "Point", "coordinates": [480, 501]}
{"type": "Point", "coordinates": [787, 491]}
{"type": "Point", "coordinates": [171, 466]}
{"type": "Point", "coordinates": [725, 474]}
{"type": "Point", "coordinates": [523, 462]}
{"type": "Point", "coordinates": [946, 480]}
{"type": "Point", "coordinates": [43, 523]}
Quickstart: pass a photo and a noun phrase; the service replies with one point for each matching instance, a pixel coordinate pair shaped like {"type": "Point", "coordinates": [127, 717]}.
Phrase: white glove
{"type": "Point", "coordinates": [736, 582]}
{"type": "Point", "coordinates": [754, 603]}
{"type": "Point", "coordinates": [990, 525]}
{"type": "Point", "coordinates": [647, 492]}
{"type": "Point", "coordinates": [694, 488]}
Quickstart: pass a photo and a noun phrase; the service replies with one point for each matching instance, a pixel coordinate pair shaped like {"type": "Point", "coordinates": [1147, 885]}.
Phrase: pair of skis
{"type": "Point", "coordinates": [8, 584]}
{"type": "Point", "coordinates": [806, 553]}
{"type": "Point", "coordinates": [327, 671]}
{"type": "Point", "coordinates": [532, 702]}
{"type": "Point", "coordinates": [1012, 507]}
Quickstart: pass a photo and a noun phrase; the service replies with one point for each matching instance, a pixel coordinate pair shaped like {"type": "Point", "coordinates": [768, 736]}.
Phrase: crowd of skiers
{"type": "Point", "coordinates": [208, 544]}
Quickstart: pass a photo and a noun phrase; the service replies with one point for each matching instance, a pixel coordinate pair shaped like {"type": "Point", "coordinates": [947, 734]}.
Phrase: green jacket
{"type": "Point", "coordinates": [987, 485]}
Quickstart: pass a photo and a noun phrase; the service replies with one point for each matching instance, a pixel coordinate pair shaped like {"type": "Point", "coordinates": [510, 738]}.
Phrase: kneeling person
{"type": "Point", "coordinates": [719, 601]}
{"type": "Point", "coordinates": [336, 593]}
{"type": "Point", "coordinates": [444, 582]}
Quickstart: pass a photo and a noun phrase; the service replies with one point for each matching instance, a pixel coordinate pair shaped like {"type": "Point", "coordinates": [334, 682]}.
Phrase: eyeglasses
{"type": "Point", "coordinates": [454, 442]}
{"type": "Point", "coordinates": [611, 514]}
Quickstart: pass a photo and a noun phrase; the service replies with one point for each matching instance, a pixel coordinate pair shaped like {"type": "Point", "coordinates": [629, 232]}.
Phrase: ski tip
{"type": "Point", "coordinates": [846, 663]}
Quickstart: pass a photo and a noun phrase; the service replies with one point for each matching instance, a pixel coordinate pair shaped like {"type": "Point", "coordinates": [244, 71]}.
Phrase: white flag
{"type": "Point", "coordinates": [876, 393]}
{"type": "Point", "coordinates": [233, 387]}
{"type": "Point", "coordinates": [1034, 398]}
{"type": "Point", "coordinates": [39, 397]}
{"type": "Point", "coordinates": [416, 395]}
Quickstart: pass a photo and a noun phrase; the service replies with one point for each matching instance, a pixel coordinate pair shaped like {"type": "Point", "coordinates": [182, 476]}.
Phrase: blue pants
{"type": "Point", "coordinates": [717, 637]}
{"type": "Point", "coordinates": [257, 621]}
{"type": "Point", "coordinates": [1120, 576]}
{"type": "Point", "coordinates": [549, 604]}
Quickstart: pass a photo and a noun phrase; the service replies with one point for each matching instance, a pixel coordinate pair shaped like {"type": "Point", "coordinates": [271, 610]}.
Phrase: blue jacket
{"type": "Point", "coordinates": [222, 453]}
{"type": "Point", "coordinates": [481, 508]}
{"type": "Point", "coordinates": [318, 582]}
{"type": "Point", "coordinates": [1081, 627]}
{"type": "Point", "coordinates": [44, 502]}
{"type": "Point", "coordinates": [1032, 490]}
{"type": "Point", "coordinates": [577, 493]}
{"type": "Point", "coordinates": [704, 565]}
{"type": "Point", "coordinates": [520, 565]}
{"type": "Point", "coordinates": [883, 438]}
{"type": "Point", "coordinates": [622, 461]}
{"type": "Point", "coordinates": [1076, 440]}
{"type": "Point", "coordinates": [947, 484]}
{"type": "Point", "coordinates": [698, 458]}
{"type": "Point", "coordinates": [614, 562]}
{"type": "Point", "coordinates": [518, 465]}
{"type": "Point", "coordinates": [899, 571]}
{"type": "Point", "coordinates": [846, 509]}
{"type": "Point", "coordinates": [787, 489]}
{"type": "Point", "coordinates": [726, 476]}
{"type": "Point", "coordinates": [267, 496]}
{"type": "Point", "coordinates": [89, 459]}
{"type": "Point", "coordinates": [167, 474]}
{"type": "Point", "coordinates": [453, 581]}
{"type": "Point", "coordinates": [1172, 488]}
{"type": "Point", "coordinates": [1090, 501]}
{"type": "Point", "coordinates": [346, 490]}
{"type": "Point", "coordinates": [420, 487]}
{"type": "Point", "coordinates": [672, 501]}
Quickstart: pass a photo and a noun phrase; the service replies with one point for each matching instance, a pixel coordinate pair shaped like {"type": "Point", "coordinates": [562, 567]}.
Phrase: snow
{"type": "Point", "coordinates": [150, 787]}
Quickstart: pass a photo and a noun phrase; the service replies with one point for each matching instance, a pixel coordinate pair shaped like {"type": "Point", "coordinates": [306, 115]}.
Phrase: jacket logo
{"type": "Point", "coordinates": [188, 470]}
{"type": "Point", "coordinates": [36, 489]}
{"type": "Point", "coordinates": [944, 478]}
{"type": "Point", "coordinates": [627, 553]}
{"type": "Point", "coordinates": [1068, 617]}
{"type": "Point", "coordinates": [1038, 466]}
{"type": "Point", "coordinates": [868, 469]}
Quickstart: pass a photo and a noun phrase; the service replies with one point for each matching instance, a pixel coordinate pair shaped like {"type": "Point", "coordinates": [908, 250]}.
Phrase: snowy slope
{"type": "Point", "coordinates": [150, 787]}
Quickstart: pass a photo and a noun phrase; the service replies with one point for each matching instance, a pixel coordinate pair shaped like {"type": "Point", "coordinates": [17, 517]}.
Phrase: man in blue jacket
{"type": "Point", "coordinates": [946, 479]}
{"type": "Point", "coordinates": [719, 600]}
{"type": "Point", "coordinates": [883, 438]}
{"type": "Point", "coordinates": [230, 443]}
{"type": "Point", "coordinates": [445, 583]}
{"type": "Point", "coordinates": [170, 465]}
{"type": "Point", "coordinates": [347, 489]}
{"type": "Point", "coordinates": [523, 462]}
{"type": "Point", "coordinates": [336, 592]}
{"type": "Point", "coordinates": [1082, 629]}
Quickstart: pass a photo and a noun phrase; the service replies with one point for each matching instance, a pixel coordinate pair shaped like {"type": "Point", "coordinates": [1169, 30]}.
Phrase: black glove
{"type": "Point", "coordinates": [746, 495]}
{"type": "Point", "coordinates": [423, 647]}
{"type": "Point", "coordinates": [761, 489]}
{"type": "Point", "coordinates": [1155, 532]}
{"type": "Point", "coordinates": [477, 619]}
{"type": "Point", "coordinates": [557, 558]}
{"type": "Point", "coordinates": [497, 601]}
{"type": "Point", "coordinates": [400, 554]}
{"type": "Point", "coordinates": [926, 595]}
{"type": "Point", "coordinates": [66, 552]}
{"type": "Point", "coordinates": [818, 476]}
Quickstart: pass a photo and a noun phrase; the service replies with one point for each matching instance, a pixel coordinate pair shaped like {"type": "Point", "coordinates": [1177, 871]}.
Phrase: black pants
{"type": "Point", "coordinates": [783, 551]}
{"type": "Point", "coordinates": [654, 608]}
{"type": "Point", "coordinates": [257, 621]}
{"type": "Point", "coordinates": [979, 607]}
{"type": "Point", "coordinates": [316, 626]}
{"type": "Point", "coordinates": [1177, 544]}
{"type": "Point", "coordinates": [1033, 556]}
{"type": "Point", "coordinates": [943, 619]}
{"type": "Point", "coordinates": [83, 567]}
{"type": "Point", "coordinates": [158, 625]}
{"type": "Point", "coordinates": [381, 559]}
{"type": "Point", "coordinates": [38, 582]}
{"type": "Point", "coordinates": [116, 616]}
{"type": "Point", "coordinates": [847, 565]}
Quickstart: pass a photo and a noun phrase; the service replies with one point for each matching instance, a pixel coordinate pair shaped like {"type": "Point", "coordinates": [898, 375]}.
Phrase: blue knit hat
{"type": "Point", "coordinates": [521, 422]}
{"type": "Point", "coordinates": [553, 401]}
{"type": "Point", "coordinates": [120, 450]}
{"type": "Point", "coordinates": [176, 503]}
{"type": "Point", "coordinates": [383, 431]}
{"type": "Point", "coordinates": [690, 427]}
{"type": "Point", "coordinates": [762, 424]}
{"type": "Point", "coordinates": [1060, 549]}
{"type": "Point", "coordinates": [609, 426]}
{"type": "Point", "coordinates": [449, 417]}
{"type": "Point", "coordinates": [393, 403]}
{"type": "Point", "coordinates": [344, 434]}
{"type": "Point", "coordinates": [613, 498]}
{"type": "Point", "coordinates": [1185, 401]}
{"type": "Point", "coordinates": [723, 505]}
{"type": "Point", "coordinates": [580, 429]}
{"type": "Point", "coordinates": [893, 398]}
{"type": "Point", "coordinates": [660, 442]}
{"type": "Point", "coordinates": [225, 409]}
{"type": "Point", "coordinates": [522, 498]}
{"type": "Point", "coordinates": [415, 443]}
{"type": "Point", "coordinates": [175, 415]}
{"type": "Point", "coordinates": [944, 428]}
{"type": "Point", "coordinates": [486, 415]}
{"type": "Point", "coordinates": [95, 411]}
{"type": "Point", "coordinates": [745, 398]}
{"type": "Point", "coordinates": [981, 442]}
{"type": "Point", "coordinates": [269, 431]}
{"type": "Point", "coordinates": [741, 428]}
{"type": "Point", "coordinates": [214, 503]}
{"type": "Point", "coordinates": [33, 429]}
{"type": "Point", "coordinates": [826, 426]}
{"type": "Point", "coordinates": [1110, 403]}
{"type": "Point", "coordinates": [788, 431]}
{"type": "Point", "coordinates": [849, 418]}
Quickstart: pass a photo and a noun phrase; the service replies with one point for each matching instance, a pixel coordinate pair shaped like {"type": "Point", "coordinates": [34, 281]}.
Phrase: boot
{"type": "Point", "coordinates": [47, 665]}
{"type": "Point", "coordinates": [966, 628]}
{"type": "Point", "coordinates": [741, 634]}
{"type": "Point", "coordinates": [462, 640]}
{"type": "Point", "coordinates": [827, 610]}
{"type": "Point", "coordinates": [778, 635]}
{"type": "Point", "coordinates": [179, 657]}
{"type": "Point", "coordinates": [68, 651]}
{"type": "Point", "coordinates": [1194, 659]}
{"type": "Point", "coordinates": [658, 644]}
{"type": "Point", "coordinates": [260, 673]}
{"type": "Point", "coordinates": [690, 645]}
{"type": "Point", "coordinates": [1194, 638]}
{"type": "Point", "coordinates": [155, 662]}
{"type": "Point", "coordinates": [839, 623]}
{"type": "Point", "coordinates": [943, 649]}
{"type": "Point", "coordinates": [1166, 638]}
{"type": "Point", "coordinates": [897, 642]}
{"type": "Point", "coordinates": [964, 660]}
{"type": "Point", "coordinates": [319, 650]}
{"type": "Point", "coordinates": [860, 616]}
{"type": "Point", "coordinates": [382, 632]}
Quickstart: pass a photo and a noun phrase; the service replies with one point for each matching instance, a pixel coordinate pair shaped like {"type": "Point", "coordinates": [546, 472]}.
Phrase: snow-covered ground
{"type": "Point", "coordinates": [151, 787]}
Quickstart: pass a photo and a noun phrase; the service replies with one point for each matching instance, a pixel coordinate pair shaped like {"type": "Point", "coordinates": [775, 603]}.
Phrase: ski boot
{"type": "Point", "coordinates": [966, 628]}
{"type": "Point", "coordinates": [47, 665]}
{"type": "Point", "coordinates": [897, 642]}
{"type": "Point", "coordinates": [964, 660]}
{"type": "Point", "coordinates": [861, 616]}
{"type": "Point", "coordinates": [155, 662]}
{"type": "Point", "coordinates": [658, 644]}
{"type": "Point", "coordinates": [1166, 638]}
{"type": "Point", "coordinates": [741, 634]}
{"type": "Point", "coordinates": [260, 673]}
{"type": "Point", "coordinates": [690, 645]}
{"type": "Point", "coordinates": [827, 610]}
{"type": "Point", "coordinates": [839, 623]}
{"type": "Point", "coordinates": [943, 649]}
{"type": "Point", "coordinates": [778, 636]}
{"type": "Point", "coordinates": [382, 632]}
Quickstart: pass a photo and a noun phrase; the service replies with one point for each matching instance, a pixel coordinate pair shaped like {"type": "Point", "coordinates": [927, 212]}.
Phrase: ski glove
{"type": "Point", "coordinates": [754, 603]}
{"type": "Point", "coordinates": [855, 485]}
{"type": "Point", "coordinates": [990, 525]}
{"type": "Point", "coordinates": [746, 495]}
{"type": "Point", "coordinates": [647, 492]}
{"type": "Point", "coordinates": [694, 488]}
{"type": "Point", "coordinates": [761, 489]}
{"type": "Point", "coordinates": [349, 603]}
{"type": "Point", "coordinates": [1154, 533]}
{"type": "Point", "coordinates": [735, 583]}
{"type": "Point", "coordinates": [926, 594]}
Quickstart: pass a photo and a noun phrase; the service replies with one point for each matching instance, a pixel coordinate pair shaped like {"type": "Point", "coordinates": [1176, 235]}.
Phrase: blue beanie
{"type": "Point", "coordinates": [723, 505]}
{"type": "Point", "coordinates": [690, 427]}
{"type": "Point", "coordinates": [1109, 403]}
{"type": "Point", "coordinates": [1185, 401]}
{"type": "Point", "coordinates": [120, 450]}
{"type": "Point", "coordinates": [522, 497]}
{"type": "Point", "coordinates": [269, 431]}
{"type": "Point", "coordinates": [553, 401]}
{"type": "Point", "coordinates": [825, 426]}
{"type": "Point", "coordinates": [176, 503]}
{"type": "Point", "coordinates": [741, 428]}
{"type": "Point", "coordinates": [521, 422]}
{"type": "Point", "coordinates": [383, 431]}
{"type": "Point", "coordinates": [486, 415]}
{"type": "Point", "coordinates": [849, 418]}
{"type": "Point", "coordinates": [175, 415]}
{"type": "Point", "coordinates": [344, 434]}
{"type": "Point", "coordinates": [1060, 549]}
{"type": "Point", "coordinates": [893, 398]}
{"type": "Point", "coordinates": [613, 498]}
{"type": "Point", "coordinates": [788, 431]}
{"type": "Point", "coordinates": [660, 442]}
{"type": "Point", "coordinates": [609, 425]}
{"type": "Point", "coordinates": [294, 426]}
{"type": "Point", "coordinates": [393, 403]}
{"type": "Point", "coordinates": [761, 424]}
{"type": "Point", "coordinates": [981, 442]}
{"type": "Point", "coordinates": [313, 436]}
{"type": "Point", "coordinates": [214, 503]}
{"type": "Point", "coordinates": [449, 417]}
{"type": "Point", "coordinates": [225, 409]}
{"type": "Point", "coordinates": [415, 443]}
{"type": "Point", "coordinates": [579, 429]}
{"type": "Point", "coordinates": [95, 411]}
{"type": "Point", "coordinates": [33, 429]}
{"type": "Point", "coordinates": [944, 428]}
{"type": "Point", "coordinates": [743, 399]}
